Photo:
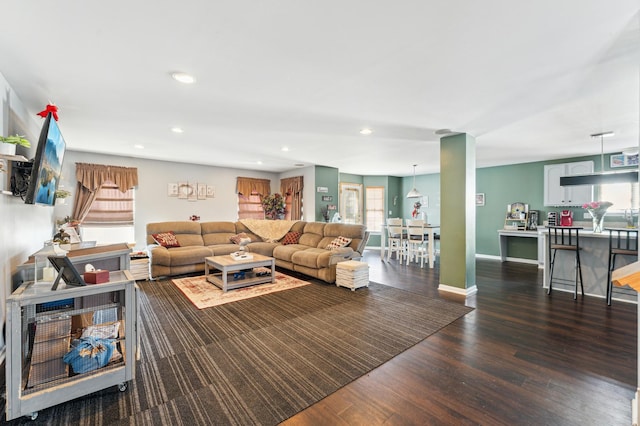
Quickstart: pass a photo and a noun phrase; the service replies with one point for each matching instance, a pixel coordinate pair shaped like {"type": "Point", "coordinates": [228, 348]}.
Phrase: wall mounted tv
{"type": "Point", "coordinates": [47, 165]}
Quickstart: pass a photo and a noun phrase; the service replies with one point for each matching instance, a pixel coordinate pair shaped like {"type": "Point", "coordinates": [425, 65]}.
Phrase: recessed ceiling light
{"type": "Point", "coordinates": [285, 148]}
{"type": "Point", "coordinates": [299, 165]}
{"type": "Point", "coordinates": [366, 131]}
{"type": "Point", "coordinates": [183, 77]}
{"type": "Point", "coordinates": [258, 162]}
{"type": "Point", "coordinates": [138, 146]}
{"type": "Point", "coordinates": [177, 130]}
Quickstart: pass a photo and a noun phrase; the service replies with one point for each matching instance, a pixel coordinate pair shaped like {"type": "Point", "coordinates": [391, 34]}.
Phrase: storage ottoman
{"type": "Point", "coordinates": [352, 274]}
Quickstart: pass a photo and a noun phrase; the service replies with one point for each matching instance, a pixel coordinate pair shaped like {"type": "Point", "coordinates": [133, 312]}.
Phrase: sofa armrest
{"type": "Point", "coordinates": [340, 255]}
{"type": "Point", "coordinates": [158, 255]}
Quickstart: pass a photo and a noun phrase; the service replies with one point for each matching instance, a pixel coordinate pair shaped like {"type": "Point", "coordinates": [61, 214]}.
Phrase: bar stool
{"type": "Point", "coordinates": [565, 238]}
{"type": "Point", "coordinates": [622, 241]}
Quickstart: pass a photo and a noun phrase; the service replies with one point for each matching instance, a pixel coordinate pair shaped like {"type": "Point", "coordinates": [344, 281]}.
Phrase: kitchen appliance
{"type": "Point", "coordinates": [566, 218]}
{"type": "Point", "coordinates": [552, 218]}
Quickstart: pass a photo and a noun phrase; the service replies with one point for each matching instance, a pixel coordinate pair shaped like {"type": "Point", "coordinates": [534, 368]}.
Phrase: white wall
{"type": "Point", "coordinates": [23, 228]}
{"type": "Point", "coordinates": [154, 205]}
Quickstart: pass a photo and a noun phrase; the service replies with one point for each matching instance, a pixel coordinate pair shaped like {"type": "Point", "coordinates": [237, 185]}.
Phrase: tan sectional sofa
{"type": "Point", "coordinates": [199, 240]}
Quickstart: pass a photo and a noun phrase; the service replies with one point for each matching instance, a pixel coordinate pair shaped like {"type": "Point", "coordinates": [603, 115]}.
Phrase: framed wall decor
{"type": "Point", "coordinates": [621, 160]}
{"type": "Point", "coordinates": [202, 191]}
{"type": "Point", "coordinates": [211, 191]}
{"type": "Point", "coordinates": [193, 192]}
{"type": "Point", "coordinates": [327, 198]}
{"type": "Point", "coordinates": [172, 189]}
{"type": "Point", "coordinates": [184, 190]}
{"type": "Point", "coordinates": [480, 199]}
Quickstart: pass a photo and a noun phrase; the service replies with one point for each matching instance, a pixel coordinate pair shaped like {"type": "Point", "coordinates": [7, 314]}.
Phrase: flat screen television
{"type": "Point", "coordinates": [47, 165]}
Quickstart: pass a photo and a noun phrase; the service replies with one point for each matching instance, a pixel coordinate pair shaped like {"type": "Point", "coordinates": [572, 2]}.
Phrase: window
{"type": "Point", "coordinates": [250, 207]}
{"type": "Point", "coordinates": [623, 196]}
{"type": "Point", "coordinates": [111, 216]}
{"type": "Point", "coordinates": [374, 215]}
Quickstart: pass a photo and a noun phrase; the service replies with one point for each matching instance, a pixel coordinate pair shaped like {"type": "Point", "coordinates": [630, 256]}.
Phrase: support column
{"type": "Point", "coordinates": [458, 214]}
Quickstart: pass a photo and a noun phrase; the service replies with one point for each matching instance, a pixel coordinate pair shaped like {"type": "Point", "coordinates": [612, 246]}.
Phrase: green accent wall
{"type": "Point", "coordinates": [325, 177]}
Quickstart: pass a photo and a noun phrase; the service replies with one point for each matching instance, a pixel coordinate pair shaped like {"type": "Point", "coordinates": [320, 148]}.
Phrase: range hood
{"type": "Point", "coordinates": [600, 178]}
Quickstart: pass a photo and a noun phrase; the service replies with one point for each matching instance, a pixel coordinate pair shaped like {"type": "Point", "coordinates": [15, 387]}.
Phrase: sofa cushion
{"type": "Point", "coordinates": [166, 239]}
{"type": "Point", "coordinates": [187, 232]}
{"type": "Point", "coordinates": [292, 237]}
{"type": "Point", "coordinates": [286, 252]}
{"type": "Point", "coordinates": [312, 234]}
{"type": "Point", "coordinates": [338, 242]}
{"type": "Point", "coordinates": [223, 249]}
{"type": "Point", "coordinates": [217, 232]}
{"type": "Point", "coordinates": [312, 258]}
{"type": "Point", "coordinates": [181, 256]}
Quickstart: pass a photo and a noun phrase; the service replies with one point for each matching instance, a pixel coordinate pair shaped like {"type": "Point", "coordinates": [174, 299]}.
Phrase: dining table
{"type": "Point", "coordinates": [429, 233]}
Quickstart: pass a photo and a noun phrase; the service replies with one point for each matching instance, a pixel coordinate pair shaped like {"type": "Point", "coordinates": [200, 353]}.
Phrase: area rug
{"type": "Point", "coordinates": [256, 361]}
{"type": "Point", "coordinates": [203, 294]}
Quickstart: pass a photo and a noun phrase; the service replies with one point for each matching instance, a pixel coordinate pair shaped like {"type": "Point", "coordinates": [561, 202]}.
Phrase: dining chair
{"type": "Point", "coordinates": [416, 243]}
{"type": "Point", "coordinates": [395, 239]}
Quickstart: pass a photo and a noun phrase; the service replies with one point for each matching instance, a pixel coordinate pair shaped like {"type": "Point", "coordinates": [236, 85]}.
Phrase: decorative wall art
{"type": "Point", "coordinates": [191, 191]}
{"type": "Point", "coordinates": [621, 160]}
{"type": "Point", "coordinates": [327, 198]}
{"type": "Point", "coordinates": [480, 199]}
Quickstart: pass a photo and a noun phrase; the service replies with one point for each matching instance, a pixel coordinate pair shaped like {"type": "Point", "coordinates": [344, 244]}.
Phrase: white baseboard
{"type": "Point", "coordinates": [457, 290]}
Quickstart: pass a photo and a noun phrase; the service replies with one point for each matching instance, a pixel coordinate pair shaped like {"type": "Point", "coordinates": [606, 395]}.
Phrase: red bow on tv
{"type": "Point", "coordinates": [49, 109]}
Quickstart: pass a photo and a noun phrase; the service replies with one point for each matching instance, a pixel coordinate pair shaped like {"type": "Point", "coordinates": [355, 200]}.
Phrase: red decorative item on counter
{"type": "Point", "coordinates": [50, 108]}
{"type": "Point", "coordinates": [98, 276]}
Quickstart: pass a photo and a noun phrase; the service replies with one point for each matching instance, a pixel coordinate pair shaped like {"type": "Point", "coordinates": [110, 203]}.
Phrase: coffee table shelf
{"type": "Point", "coordinates": [218, 268]}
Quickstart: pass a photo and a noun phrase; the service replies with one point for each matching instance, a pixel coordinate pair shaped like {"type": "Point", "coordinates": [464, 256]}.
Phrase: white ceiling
{"type": "Point", "coordinates": [531, 80]}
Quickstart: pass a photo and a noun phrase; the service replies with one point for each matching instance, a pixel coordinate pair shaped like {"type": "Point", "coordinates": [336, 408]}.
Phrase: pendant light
{"type": "Point", "coordinates": [414, 192]}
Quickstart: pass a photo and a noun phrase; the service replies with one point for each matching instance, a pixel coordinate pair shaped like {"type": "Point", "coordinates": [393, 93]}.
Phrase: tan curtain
{"type": "Point", "coordinates": [292, 188]}
{"type": "Point", "coordinates": [91, 177]}
{"type": "Point", "coordinates": [248, 186]}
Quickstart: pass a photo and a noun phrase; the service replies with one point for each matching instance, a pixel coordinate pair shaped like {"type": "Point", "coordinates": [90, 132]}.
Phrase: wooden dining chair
{"type": "Point", "coordinates": [395, 239]}
{"type": "Point", "coordinates": [416, 242]}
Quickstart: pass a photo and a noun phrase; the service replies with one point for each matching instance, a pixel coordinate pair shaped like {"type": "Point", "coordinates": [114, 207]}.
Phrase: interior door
{"type": "Point", "coordinates": [351, 203]}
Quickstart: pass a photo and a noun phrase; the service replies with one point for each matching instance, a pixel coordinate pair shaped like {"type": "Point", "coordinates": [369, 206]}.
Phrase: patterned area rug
{"type": "Point", "coordinates": [258, 361]}
{"type": "Point", "coordinates": [203, 294]}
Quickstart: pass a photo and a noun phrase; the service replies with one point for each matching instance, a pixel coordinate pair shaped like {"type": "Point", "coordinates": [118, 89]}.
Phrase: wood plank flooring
{"type": "Point", "coordinates": [520, 358]}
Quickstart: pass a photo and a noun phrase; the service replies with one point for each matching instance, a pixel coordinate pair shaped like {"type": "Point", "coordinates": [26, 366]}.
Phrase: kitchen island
{"type": "Point", "coordinates": [594, 258]}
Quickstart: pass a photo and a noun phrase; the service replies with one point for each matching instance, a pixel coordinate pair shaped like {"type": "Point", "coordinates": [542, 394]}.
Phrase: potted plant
{"type": "Point", "coordinates": [9, 143]}
{"type": "Point", "coordinates": [274, 207]}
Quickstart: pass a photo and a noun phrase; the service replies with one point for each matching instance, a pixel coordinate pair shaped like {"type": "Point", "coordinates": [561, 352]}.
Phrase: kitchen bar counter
{"type": "Point", "coordinates": [594, 258]}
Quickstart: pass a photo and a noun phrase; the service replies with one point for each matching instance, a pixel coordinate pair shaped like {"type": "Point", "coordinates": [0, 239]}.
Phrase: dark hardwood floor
{"type": "Point", "coordinates": [520, 358]}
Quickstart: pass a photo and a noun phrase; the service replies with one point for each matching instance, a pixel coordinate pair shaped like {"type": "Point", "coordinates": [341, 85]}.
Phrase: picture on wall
{"type": "Point", "coordinates": [183, 190]}
{"type": "Point", "coordinates": [480, 199]}
{"type": "Point", "coordinates": [172, 189]}
{"type": "Point", "coordinates": [202, 191]}
{"type": "Point", "coordinates": [211, 191]}
{"type": "Point", "coordinates": [621, 160]}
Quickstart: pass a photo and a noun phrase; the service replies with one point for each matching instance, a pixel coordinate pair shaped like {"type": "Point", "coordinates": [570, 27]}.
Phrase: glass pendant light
{"type": "Point", "coordinates": [414, 192]}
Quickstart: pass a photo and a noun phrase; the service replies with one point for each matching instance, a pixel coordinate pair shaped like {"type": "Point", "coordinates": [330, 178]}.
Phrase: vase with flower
{"type": "Point", "coordinates": [416, 209]}
{"type": "Point", "coordinates": [597, 210]}
{"type": "Point", "coordinates": [274, 206]}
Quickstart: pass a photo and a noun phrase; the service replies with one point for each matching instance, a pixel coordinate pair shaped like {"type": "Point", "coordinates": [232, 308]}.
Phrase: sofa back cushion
{"type": "Point", "coordinates": [188, 233]}
{"type": "Point", "coordinates": [312, 234]}
{"type": "Point", "coordinates": [218, 232]}
{"type": "Point", "coordinates": [353, 231]}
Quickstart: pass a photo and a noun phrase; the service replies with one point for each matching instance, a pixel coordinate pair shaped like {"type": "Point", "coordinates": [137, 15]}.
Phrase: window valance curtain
{"type": "Point", "coordinates": [292, 187]}
{"type": "Point", "coordinates": [91, 177]}
{"type": "Point", "coordinates": [248, 186]}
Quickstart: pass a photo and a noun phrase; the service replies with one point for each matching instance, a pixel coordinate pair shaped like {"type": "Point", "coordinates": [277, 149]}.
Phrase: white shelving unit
{"type": "Point", "coordinates": [41, 323]}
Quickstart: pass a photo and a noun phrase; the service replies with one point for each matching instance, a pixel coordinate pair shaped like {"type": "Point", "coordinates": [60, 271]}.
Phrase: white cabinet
{"type": "Point", "coordinates": [556, 195]}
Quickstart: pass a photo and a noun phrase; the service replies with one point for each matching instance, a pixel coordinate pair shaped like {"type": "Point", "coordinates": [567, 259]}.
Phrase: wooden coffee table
{"type": "Point", "coordinates": [226, 265]}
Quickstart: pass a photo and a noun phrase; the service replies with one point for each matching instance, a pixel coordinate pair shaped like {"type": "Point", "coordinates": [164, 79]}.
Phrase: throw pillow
{"type": "Point", "coordinates": [166, 239]}
{"type": "Point", "coordinates": [292, 237]}
{"type": "Point", "coordinates": [237, 239]}
{"type": "Point", "coordinates": [339, 243]}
